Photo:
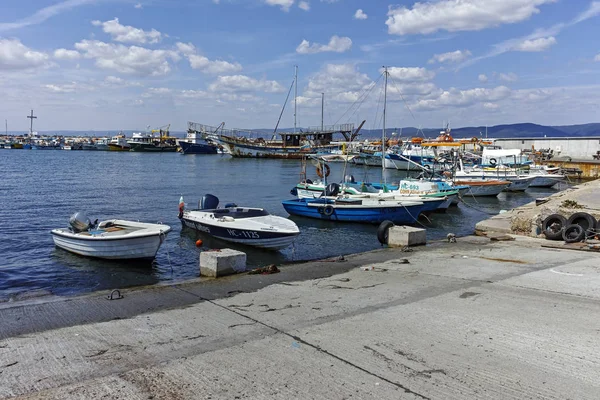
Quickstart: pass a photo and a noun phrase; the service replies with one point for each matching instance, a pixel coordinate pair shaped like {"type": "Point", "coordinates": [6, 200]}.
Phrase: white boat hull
{"type": "Point", "coordinates": [140, 244]}
{"type": "Point", "coordinates": [478, 190]}
{"type": "Point", "coordinates": [546, 180]}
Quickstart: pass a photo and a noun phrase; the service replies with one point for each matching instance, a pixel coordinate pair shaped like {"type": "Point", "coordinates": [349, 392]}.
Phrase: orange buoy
{"type": "Point", "coordinates": [198, 242]}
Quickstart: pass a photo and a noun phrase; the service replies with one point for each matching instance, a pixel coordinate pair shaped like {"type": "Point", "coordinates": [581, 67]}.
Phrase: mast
{"type": "Point", "coordinates": [6, 126]}
{"type": "Point", "coordinates": [322, 109]}
{"type": "Point", "coordinates": [31, 117]}
{"type": "Point", "coordinates": [295, 96]}
{"type": "Point", "coordinates": [385, 72]}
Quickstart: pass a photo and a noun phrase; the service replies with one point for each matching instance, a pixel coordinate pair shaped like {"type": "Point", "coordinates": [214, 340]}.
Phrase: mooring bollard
{"type": "Point", "coordinates": [215, 263]}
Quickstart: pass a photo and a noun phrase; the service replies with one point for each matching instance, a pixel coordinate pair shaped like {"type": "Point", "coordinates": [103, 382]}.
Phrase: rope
{"type": "Point", "coordinates": [361, 98]}
{"type": "Point", "coordinates": [403, 99]}
{"type": "Point", "coordinates": [473, 207]}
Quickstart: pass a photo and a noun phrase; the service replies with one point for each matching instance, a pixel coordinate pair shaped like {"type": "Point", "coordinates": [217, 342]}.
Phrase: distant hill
{"type": "Point", "coordinates": [496, 131]}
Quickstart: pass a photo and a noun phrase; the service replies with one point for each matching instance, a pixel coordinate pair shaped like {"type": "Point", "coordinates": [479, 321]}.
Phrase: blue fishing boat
{"type": "Point", "coordinates": [373, 211]}
{"type": "Point", "coordinates": [201, 139]}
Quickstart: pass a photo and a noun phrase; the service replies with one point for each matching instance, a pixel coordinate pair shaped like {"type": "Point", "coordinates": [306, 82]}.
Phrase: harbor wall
{"type": "Point", "coordinates": [574, 147]}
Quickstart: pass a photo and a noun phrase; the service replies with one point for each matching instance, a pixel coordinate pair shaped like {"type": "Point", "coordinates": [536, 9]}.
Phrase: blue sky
{"type": "Point", "coordinates": [126, 64]}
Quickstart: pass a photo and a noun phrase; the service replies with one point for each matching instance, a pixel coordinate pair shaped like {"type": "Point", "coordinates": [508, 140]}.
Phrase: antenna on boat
{"type": "Point", "coordinates": [295, 95]}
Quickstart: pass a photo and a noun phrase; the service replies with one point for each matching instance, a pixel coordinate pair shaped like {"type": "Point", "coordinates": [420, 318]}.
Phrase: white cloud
{"type": "Point", "coordinates": [138, 6]}
{"type": "Point", "coordinates": [128, 60]}
{"type": "Point", "coordinates": [410, 74]}
{"type": "Point", "coordinates": [284, 4]}
{"type": "Point", "coordinates": [43, 14]}
{"type": "Point", "coordinates": [128, 34]}
{"type": "Point", "coordinates": [464, 98]}
{"type": "Point", "coordinates": [459, 15]}
{"type": "Point", "coordinates": [490, 106]}
{"type": "Point", "coordinates": [66, 88]}
{"type": "Point", "coordinates": [597, 58]}
{"type": "Point", "coordinates": [451, 57]}
{"type": "Point", "coordinates": [336, 44]}
{"type": "Point", "coordinates": [205, 65]}
{"type": "Point", "coordinates": [535, 45]}
{"type": "Point", "coordinates": [510, 77]}
{"type": "Point", "coordinates": [14, 55]}
{"type": "Point", "coordinates": [360, 14]}
{"type": "Point", "coordinates": [64, 54]}
{"type": "Point", "coordinates": [482, 78]}
{"type": "Point", "coordinates": [116, 81]}
{"type": "Point", "coordinates": [304, 5]}
{"type": "Point", "coordinates": [243, 83]}
{"type": "Point", "coordinates": [341, 82]}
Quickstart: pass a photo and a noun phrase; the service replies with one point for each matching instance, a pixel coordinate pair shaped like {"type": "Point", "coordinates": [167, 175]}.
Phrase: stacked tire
{"type": "Point", "coordinates": [571, 230]}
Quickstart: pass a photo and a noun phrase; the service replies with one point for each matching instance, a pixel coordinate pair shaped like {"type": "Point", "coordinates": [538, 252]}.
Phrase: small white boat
{"type": "Point", "coordinates": [244, 225]}
{"type": "Point", "coordinates": [114, 239]}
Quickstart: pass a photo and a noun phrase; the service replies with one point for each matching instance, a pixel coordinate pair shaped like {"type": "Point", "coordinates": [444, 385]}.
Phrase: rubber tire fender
{"type": "Point", "coordinates": [573, 233]}
{"type": "Point", "coordinates": [493, 162]}
{"type": "Point", "coordinates": [549, 228]}
{"type": "Point", "coordinates": [585, 220]}
{"type": "Point", "coordinates": [328, 210]}
{"type": "Point", "coordinates": [383, 231]}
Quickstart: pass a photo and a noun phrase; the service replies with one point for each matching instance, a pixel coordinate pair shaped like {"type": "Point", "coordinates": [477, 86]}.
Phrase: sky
{"type": "Point", "coordinates": [129, 64]}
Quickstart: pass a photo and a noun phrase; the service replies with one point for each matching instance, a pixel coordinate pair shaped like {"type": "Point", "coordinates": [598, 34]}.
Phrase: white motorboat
{"type": "Point", "coordinates": [483, 187]}
{"type": "Point", "coordinates": [114, 239]}
{"type": "Point", "coordinates": [244, 225]}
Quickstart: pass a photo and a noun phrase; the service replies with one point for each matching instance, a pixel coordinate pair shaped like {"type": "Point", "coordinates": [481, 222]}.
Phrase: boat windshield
{"type": "Point", "coordinates": [238, 212]}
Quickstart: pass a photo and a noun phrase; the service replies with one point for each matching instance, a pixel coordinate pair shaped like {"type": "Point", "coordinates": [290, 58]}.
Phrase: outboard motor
{"type": "Point", "coordinates": [350, 179]}
{"type": "Point", "coordinates": [79, 222]}
{"type": "Point", "coordinates": [333, 189]}
{"type": "Point", "coordinates": [209, 202]}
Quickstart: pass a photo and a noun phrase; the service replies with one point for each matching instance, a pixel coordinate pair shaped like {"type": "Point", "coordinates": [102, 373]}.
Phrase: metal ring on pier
{"type": "Point", "coordinates": [112, 295]}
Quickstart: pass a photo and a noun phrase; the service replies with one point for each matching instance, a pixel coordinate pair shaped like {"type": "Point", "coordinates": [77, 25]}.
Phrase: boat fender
{"type": "Point", "coordinates": [553, 226]}
{"type": "Point", "coordinates": [427, 166]}
{"type": "Point", "coordinates": [328, 210]}
{"type": "Point", "coordinates": [294, 191]}
{"type": "Point", "coordinates": [383, 231]}
{"type": "Point", "coordinates": [320, 171]}
{"type": "Point", "coordinates": [493, 162]}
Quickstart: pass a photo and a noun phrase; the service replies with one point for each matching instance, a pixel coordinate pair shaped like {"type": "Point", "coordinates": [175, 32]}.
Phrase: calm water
{"type": "Point", "coordinates": [39, 190]}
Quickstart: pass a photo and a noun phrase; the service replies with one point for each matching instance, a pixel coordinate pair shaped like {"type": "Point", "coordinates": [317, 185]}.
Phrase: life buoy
{"type": "Point", "coordinates": [493, 162]}
{"type": "Point", "coordinates": [474, 139]}
{"type": "Point", "coordinates": [427, 166]}
{"type": "Point", "coordinates": [328, 210]}
{"type": "Point", "coordinates": [320, 171]}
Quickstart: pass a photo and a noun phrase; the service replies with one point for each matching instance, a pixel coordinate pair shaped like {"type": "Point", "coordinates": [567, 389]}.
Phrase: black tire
{"type": "Point", "coordinates": [573, 233]}
{"type": "Point", "coordinates": [585, 220]}
{"type": "Point", "coordinates": [553, 226]}
{"type": "Point", "coordinates": [383, 231]}
{"type": "Point", "coordinates": [493, 162]}
{"type": "Point", "coordinates": [328, 210]}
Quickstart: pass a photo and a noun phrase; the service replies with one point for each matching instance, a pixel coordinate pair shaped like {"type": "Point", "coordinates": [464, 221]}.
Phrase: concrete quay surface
{"type": "Point", "coordinates": [474, 319]}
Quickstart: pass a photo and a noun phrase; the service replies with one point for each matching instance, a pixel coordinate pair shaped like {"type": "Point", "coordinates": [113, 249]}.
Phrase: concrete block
{"type": "Point", "coordinates": [399, 236]}
{"type": "Point", "coordinates": [222, 262]}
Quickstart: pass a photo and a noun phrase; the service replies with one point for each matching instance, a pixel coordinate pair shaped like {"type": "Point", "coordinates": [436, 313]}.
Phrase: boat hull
{"type": "Point", "coordinates": [153, 148]}
{"type": "Point", "coordinates": [483, 189]}
{"type": "Point", "coordinates": [116, 249]}
{"type": "Point", "coordinates": [346, 213]}
{"type": "Point", "coordinates": [197, 148]}
{"type": "Point", "coordinates": [249, 237]}
{"type": "Point", "coordinates": [116, 147]}
{"type": "Point", "coordinates": [246, 149]}
{"type": "Point", "coordinates": [545, 181]}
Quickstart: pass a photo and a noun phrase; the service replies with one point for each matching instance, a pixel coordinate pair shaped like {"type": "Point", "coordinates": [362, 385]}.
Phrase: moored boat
{"type": "Point", "coordinates": [119, 143]}
{"type": "Point", "coordinates": [243, 225]}
{"type": "Point", "coordinates": [111, 239]}
{"type": "Point", "coordinates": [483, 187]}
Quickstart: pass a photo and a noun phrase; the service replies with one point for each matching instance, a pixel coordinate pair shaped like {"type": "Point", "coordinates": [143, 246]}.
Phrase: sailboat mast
{"type": "Point", "coordinates": [385, 72]}
{"type": "Point", "coordinates": [322, 109]}
{"type": "Point", "coordinates": [295, 96]}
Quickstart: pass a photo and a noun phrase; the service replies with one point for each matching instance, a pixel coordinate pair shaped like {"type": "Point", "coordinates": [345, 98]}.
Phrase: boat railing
{"type": "Point", "coordinates": [346, 128]}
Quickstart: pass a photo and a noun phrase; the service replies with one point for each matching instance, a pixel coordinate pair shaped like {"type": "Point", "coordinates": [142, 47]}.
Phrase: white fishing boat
{"type": "Point", "coordinates": [114, 239]}
{"type": "Point", "coordinates": [244, 225]}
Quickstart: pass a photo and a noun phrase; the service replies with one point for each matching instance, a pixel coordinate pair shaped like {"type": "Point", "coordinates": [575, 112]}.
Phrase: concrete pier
{"type": "Point", "coordinates": [467, 320]}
